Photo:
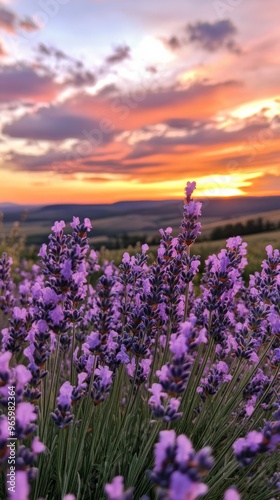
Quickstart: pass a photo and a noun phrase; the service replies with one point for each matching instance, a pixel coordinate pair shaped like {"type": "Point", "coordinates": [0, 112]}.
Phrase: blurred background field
{"type": "Point", "coordinates": [125, 226]}
{"type": "Point", "coordinates": [120, 224]}
{"type": "Point", "coordinates": [256, 251]}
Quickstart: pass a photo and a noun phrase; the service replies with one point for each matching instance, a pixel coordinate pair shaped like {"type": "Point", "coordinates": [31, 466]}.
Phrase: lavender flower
{"type": "Point", "coordinates": [102, 384]}
{"type": "Point", "coordinates": [245, 449]}
{"type": "Point", "coordinates": [178, 468]}
{"type": "Point", "coordinates": [7, 299]}
{"type": "Point", "coordinates": [25, 416]}
{"type": "Point", "coordinates": [217, 375]}
{"type": "Point", "coordinates": [174, 375]}
{"type": "Point", "coordinates": [162, 406]}
{"type": "Point", "coordinates": [115, 490]}
{"type": "Point", "coordinates": [192, 211]}
{"type": "Point", "coordinates": [22, 488]}
{"type": "Point", "coordinates": [232, 494]}
{"type": "Point", "coordinates": [62, 415]}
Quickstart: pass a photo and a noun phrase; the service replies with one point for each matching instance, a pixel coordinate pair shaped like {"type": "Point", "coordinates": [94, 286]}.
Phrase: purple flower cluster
{"type": "Point", "coordinates": [256, 442]}
{"type": "Point", "coordinates": [68, 396]}
{"type": "Point", "coordinates": [21, 426]}
{"type": "Point", "coordinates": [83, 338]}
{"type": "Point", "coordinates": [115, 490]}
{"type": "Point", "coordinates": [217, 375]}
{"type": "Point", "coordinates": [6, 284]}
{"type": "Point", "coordinates": [192, 211]}
{"type": "Point", "coordinates": [178, 469]}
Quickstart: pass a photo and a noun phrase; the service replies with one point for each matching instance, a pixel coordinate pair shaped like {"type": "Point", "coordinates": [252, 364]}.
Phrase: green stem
{"type": "Point", "coordinates": [187, 291]}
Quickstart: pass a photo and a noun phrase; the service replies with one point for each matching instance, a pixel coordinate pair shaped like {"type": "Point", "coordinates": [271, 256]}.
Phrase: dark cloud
{"type": "Point", "coordinates": [172, 96]}
{"type": "Point", "coordinates": [201, 134]}
{"type": "Point", "coordinates": [50, 124]}
{"type": "Point", "coordinates": [108, 90]}
{"type": "Point", "coordinates": [69, 162]}
{"type": "Point", "coordinates": [10, 22]}
{"type": "Point", "coordinates": [77, 75]}
{"type": "Point", "coordinates": [28, 24]}
{"type": "Point", "coordinates": [174, 43]}
{"type": "Point", "coordinates": [120, 53]}
{"type": "Point", "coordinates": [33, 163]}
{"type": "Point", "coordinates": [213, 36]}
{"type": "Point", "coordinates": [208, 36]}
{"type": "Point", "coordinates": [49, 51]}
{"type": "Point", "coordinates": [184, 123]}
{"type": "Point", "coordinates": [7, 20]}
{"type": "Point", "coordinates": [78, 78]}
{"type": "Point", "coordinates": [84, 111]}
{"type": "Point", "coordinates": [20, 82]}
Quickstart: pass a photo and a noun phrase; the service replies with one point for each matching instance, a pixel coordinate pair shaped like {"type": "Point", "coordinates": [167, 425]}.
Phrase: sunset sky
{"type": "Point", "coordinates": [108, 100]}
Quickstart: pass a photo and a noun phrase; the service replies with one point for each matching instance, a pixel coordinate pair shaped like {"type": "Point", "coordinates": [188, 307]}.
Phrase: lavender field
{"type": "Point", "coordinates": [132, 382]}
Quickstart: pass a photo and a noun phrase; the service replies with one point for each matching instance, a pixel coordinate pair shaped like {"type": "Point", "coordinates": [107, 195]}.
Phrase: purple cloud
{"type": "Point", "coordinates": [120, 53]}
{"type": "Point", "coordinates": [9, 21]}
{"type": "Point", "coordinates": [20, 82]}
{"type": "Point", "coordinates": [50, 124]}
{"type": "Point", "coordinates": [212, 36]}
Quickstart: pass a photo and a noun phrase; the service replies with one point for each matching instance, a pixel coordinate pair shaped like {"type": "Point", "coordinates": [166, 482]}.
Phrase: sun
{"type": "Point", "coordinates": [224, 186]}
{"type": "Point", "coordinates": [223, 192]}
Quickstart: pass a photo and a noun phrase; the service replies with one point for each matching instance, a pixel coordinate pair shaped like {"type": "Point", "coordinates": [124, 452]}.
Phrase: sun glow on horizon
{"type": "Point", "coordinates": [78, 189]}
{"type": "Point", "coordinates": [223, 192]}
{"type": "Point", "coordinates": [225, 185]}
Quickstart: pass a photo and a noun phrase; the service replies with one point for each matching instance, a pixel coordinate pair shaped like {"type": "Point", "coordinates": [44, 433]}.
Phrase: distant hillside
{"type": "Point", "coordinates": [137, 218]}
{"type": "Point", "coordinates": [212, 207]}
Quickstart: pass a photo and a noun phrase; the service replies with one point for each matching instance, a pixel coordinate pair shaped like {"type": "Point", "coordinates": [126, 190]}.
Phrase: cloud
{"type": "Point", "coordinates": [97, 179]}
{"type": "Point", "coordinates": [33, 163]}
{"type": "Point", "coordinates": [21, 82]}
{"type": "Point", "coordinates": [68, 162]}
{"type": "Point", "coordinates": [203, 134]}
{"type": "Point", "coordinates": [213, 36]}
{"type": "Point", "coordinates": [28, 24]}
{"type": "Point", "coordinates": [267, 184]}
{"type": "Point", "coordinates": [120, 53]}
{"type": "Point", "coordinates": [49, 51]}
{"type": "Point", "coordinates": [78, 78]}
{"type": "Point", "coordinates": [149, 160]}
{"type": "Point", "coordinates": [174, 42]}
{"type": "Point", "coordinates": [152, 69]}
{"type": "Point", "coordinates": [208, 36]}
{"type": "Point", "coordinates": [2, 50]}
{"type": "Point", "coordinates": [123, 112]}
{"type": "Point", "coordinates": [10, 22]}
{"type": "Point", "coordinates": [7, 20]}
{"type": "Point", "coordinates": [108, 90]}
{"type": "Point", "coordinates": [50, 124]}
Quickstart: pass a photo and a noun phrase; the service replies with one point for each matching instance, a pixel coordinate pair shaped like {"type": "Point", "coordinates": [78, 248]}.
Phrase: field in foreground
{"type": "Point", "coordinates": [128, 382]}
